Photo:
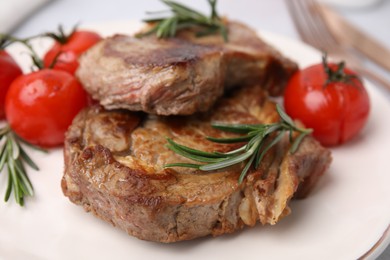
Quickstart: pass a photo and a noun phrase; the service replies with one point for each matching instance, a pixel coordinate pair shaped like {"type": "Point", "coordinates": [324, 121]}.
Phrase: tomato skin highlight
{"type": "Point", "coordinates": [336, 112]}
{"type": "Point", "coordinates": [69, 52]}
{"type": "Point", "coordinates": [9, 71]}
{"type": "Point", "coordinates": [41, 105]}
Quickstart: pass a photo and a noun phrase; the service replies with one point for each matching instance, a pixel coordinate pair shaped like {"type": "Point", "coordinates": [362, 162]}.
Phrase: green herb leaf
{"type": "Point", "coordinates": [286, 118]}
{"type": "Point", "coordinates": [193, 151]}
{"type": "Point", "coordinates": [13, 155]}
{"type": "Point", "coordinates": [234, 152]}
{"type": "Point", "coordinates": [260, 139]}
{"type": "Point", "coordinates": [246, 169]}
{"type": "Point", "coordinates": [186, 165]}
{"type": "Point", "coordinates": [238, 128]}
{"type": "Point", "coordinates": [230, 140]}
{"type": "Point", "coordinates": [27, 159]}
{"type": "Point", "coordinates": [297, 142]}
{"type": "Point", "coordinates": [269, 146]}
{"type": "Point", "coordinates": [232, 160]}
{"type": "Point", "coordinates": [184, 17]}
{"type": "Point", "coordinates": [192, 156]}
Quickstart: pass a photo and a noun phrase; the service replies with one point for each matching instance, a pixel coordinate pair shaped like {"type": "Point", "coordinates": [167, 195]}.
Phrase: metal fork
{"type": "Point", "coordinates": [314, 31]}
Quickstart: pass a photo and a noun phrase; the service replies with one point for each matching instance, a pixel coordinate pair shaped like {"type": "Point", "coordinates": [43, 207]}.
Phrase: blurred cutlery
{"type": "Point", "coordinates": [13, 12]}
{"type": "Point", "coordinates": [313, 30]}
{"type": "Point", "coordinates": [346, 32]}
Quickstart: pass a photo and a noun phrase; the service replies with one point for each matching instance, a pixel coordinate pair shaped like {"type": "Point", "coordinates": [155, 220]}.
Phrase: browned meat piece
{"type": "Point", "coordinates": [114, 167]}
{"type": "Point", "coordinates": [182, 75]}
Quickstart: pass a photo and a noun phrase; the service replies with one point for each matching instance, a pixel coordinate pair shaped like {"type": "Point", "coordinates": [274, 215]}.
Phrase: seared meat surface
{"type": "Point", "coordinates": [181, 75]}
{"type": "Point", "coordinates": [114, 168]}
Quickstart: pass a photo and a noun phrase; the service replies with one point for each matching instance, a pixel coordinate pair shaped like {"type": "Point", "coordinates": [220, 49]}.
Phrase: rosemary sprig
{"type": "Point", "coordinates": [13, 157]}
{"type": "Point", "coordinates": [6, 40]}
{"type": "Point", "coordinates": [259, 140]}
{"type": "Point", "coordinates": [184, 17]}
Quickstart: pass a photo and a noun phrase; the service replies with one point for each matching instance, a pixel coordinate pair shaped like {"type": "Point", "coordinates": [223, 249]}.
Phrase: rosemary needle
{"type": "Point", "coordinates": [13, 157]}
{"type": "Point", "coordinates": [183, 17]}
{"type": "Point", "coordinates": [259, 140]}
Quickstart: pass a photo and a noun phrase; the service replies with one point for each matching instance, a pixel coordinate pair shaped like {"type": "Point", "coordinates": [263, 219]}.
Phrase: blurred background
{"type": "Point", "coordinates": [371, 16]}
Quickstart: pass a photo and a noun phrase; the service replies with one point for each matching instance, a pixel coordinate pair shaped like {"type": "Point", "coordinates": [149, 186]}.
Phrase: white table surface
{"type": "Point", "coordinates": [265, 15]}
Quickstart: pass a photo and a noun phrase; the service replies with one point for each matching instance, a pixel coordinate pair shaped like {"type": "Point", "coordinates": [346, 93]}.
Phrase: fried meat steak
{"type": "Point", "coordinates": [114, 167]}
{"type": "Point", "coordinates": [181, 75]}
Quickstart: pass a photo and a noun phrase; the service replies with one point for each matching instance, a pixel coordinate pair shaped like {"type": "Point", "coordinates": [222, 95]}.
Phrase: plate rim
{"type": "Point", "coordinates": [381, 244]}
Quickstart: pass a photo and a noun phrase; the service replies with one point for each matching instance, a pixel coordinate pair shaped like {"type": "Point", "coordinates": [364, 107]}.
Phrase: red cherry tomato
{"type": "Point", "coordinates": [70, 50]}
{"type": "Point", "coordinates": [9, 70]}
{"type": "Point", "coordinates": [41, 105]}
{"type": "Point", "coordinates": [336, 111]}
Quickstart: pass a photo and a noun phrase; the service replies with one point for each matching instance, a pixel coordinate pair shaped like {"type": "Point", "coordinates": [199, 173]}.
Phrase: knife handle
{"type": "Point", "coordinates": [379, 56]}
{"type": "Point", "coordinates": [374, 77]}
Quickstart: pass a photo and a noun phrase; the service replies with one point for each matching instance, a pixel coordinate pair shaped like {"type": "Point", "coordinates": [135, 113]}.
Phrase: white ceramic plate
{"type": "Point", "coordinates": [346, 217]}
